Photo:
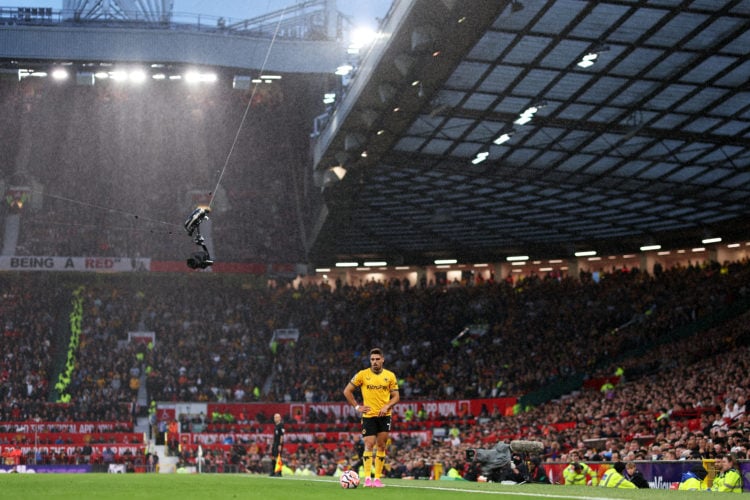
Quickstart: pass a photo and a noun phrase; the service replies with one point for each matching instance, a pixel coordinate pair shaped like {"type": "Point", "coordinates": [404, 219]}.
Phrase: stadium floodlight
{"type": "Point", "coordinates": [480, 157]}
{"type": "Point", "coordinates": [442, 262]}
{"type": "Point", "coordinates": [708, 241]}
{"type": "Point", "coordinates": [517, 258]}
{"type": "Point", "coordinates": [502, 138]}
{"type": "Point", "coordinates": [59, 74]}
{"type": "Point", "coordinates": [587, 253]}
{"type": "Point", "coordinates": [646, 248]}
{"type": "Point", "coordinates": [137, 76]}
{"type": "Point", "coordinates": [375, 263]}
{"type": "Point", "coordinates": [344, 69]}
{"type": "Point", "coordinates": [197, 77]}
{"type": "Point", "coordinates": [322, 269]}
{"type": "Point", "coordinates": [118, 75]}
{"type": "Point", "coordinates": [347, 264]}
{"type": "Point", "coordinates": [360, 38]}
{"type": "Point", "coordinates": [588, 60]}
{"type": "Point", "coordinates": [527, 115]}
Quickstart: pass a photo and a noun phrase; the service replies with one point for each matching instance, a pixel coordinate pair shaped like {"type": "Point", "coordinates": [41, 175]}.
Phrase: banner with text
{"type": "Point", "coordinates": [301, 412]}
{"type": "Point", "coordinates": [80, 264]}
{"type": "Point", "coordinates": [663, 475]}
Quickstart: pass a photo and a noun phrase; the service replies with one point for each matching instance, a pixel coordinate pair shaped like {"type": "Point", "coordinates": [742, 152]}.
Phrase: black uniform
{"type": "Point", "coordinates": [278, 440]}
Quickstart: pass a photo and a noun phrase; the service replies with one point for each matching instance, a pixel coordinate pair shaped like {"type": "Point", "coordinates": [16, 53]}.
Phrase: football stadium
{"type": "Point", "coordinates": [492, 247]}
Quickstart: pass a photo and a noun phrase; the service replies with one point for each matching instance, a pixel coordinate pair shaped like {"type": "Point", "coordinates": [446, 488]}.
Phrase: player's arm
{"type": "Point", "coordinates": [393, 402]}
{"type": "Point", "coordinates": [349, 395]}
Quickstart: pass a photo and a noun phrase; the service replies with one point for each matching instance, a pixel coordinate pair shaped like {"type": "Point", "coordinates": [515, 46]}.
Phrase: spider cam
{"type": "Point", "coordinates": [202, 259]}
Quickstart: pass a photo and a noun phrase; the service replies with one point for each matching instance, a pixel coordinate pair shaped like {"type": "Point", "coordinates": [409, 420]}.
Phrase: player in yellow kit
{"type": "Point", "coordinates": [379, 389]}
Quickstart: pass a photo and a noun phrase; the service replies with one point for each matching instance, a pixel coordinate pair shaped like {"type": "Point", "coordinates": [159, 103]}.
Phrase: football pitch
{"type": "Point", "coordinates": [237, 486]}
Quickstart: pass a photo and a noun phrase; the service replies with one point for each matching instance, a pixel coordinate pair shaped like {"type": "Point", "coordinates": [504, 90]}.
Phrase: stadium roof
{"type": "Point", "coordinates": [627, 122]}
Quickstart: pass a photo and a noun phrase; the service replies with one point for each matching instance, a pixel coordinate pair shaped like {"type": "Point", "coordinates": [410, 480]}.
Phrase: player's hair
{"type": "Point", "coordinates": [377, 351]}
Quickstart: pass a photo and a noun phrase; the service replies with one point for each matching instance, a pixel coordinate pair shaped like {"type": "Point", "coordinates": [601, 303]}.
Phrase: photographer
{"type": "Point", "coordinates": [504, 462]}
{"type": "Point", "coordinates": [493, 465]}
{"type": "Point", "coordinates": [537, 474]}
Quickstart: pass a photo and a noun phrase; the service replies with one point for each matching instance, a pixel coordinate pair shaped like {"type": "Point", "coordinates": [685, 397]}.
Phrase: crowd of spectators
{"type": "Point", "coordinates": [213, 344]}
{"type": "Point", "coordinates": [114, 169]}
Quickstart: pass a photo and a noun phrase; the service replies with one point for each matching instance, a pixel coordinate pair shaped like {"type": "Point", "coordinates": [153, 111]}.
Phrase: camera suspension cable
{"type": "Point", "coordinates": [247, 109]}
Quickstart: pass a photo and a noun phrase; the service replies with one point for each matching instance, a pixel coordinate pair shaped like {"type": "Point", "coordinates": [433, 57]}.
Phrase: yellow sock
{"type": "Point", "coordinates": [379, 463]}
{"type": "Point", "coordinates": [367, 462]}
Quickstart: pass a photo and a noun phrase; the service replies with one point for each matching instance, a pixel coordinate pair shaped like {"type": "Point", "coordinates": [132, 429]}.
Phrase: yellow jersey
{"type": "Point", "coordinates": [376, 389]}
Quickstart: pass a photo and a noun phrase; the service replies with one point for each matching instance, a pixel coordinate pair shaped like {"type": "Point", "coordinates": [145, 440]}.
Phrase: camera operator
{"type": "Point", "coordinates": [491, 465]}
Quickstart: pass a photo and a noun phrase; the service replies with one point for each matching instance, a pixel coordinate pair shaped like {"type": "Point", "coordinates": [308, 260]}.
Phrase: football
{"type": "Point", "coordinates": [349, 479]}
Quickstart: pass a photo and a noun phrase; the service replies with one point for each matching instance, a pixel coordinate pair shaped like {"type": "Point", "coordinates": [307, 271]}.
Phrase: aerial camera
{"type": "Point", "coordinates": [199, 260]}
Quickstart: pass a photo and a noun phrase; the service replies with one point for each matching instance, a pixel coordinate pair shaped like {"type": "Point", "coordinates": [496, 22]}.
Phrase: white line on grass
{"type": "Point", "coordinates": [460, 490]}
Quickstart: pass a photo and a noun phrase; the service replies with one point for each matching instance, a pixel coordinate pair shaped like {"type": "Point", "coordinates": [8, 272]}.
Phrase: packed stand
{"type": "Point", "coordinates": [114, 171]}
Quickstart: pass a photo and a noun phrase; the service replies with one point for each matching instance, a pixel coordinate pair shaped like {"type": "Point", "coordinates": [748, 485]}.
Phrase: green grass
{"type": "Point", "coordinates": [230, 486]}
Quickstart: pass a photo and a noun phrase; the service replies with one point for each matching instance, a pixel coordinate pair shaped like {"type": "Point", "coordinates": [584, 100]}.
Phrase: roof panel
{"type": "Point", "coordinates": [467, 74]}
{"type": "Point", "coordinates": [596, 23]}
{"type": "Point", "coordinates": [466, 149]}
{"type": "Point", "coordinates": [676, 29]}
{"type": "Point", "coordinates": [533, 84]}
{"type": "Point", "coordinates": [632, 168]}
{"type": "Point", "coordinates": [568, 85]}
{"type": "Point", "coordinates": [601, 165]}
{"type": "Point", "coordinates": [668, 96]}
{"type": "Point", "coordinates": [666, 67]}
{"type": "Point", "coordinates": [734, 103]}
{"type": "Point", "coordinates": [491, 45]}
{"type": "Point", "coordinates": [708, 69]}
{"type": "Point", "coordinates": [636, 25]}
{"type": "Point", "coordinates": [637, 61]}
{"type": "Point", "coordinates": [732, 128]}
{"type": "Point", "coordinates": [479, 100]}
{"type": "Point", "coordinates": [602, 89]}
{"type": "Point", "coordinates": [575, 162]}
{"type": "Point", "coordinates": [632, 93]}
{"type": "Point", "coordinates": [685, 173]}
{"type": "Point", "coordinates": [712, 176]}
{"type": "Point", "coordinates": [715, 32]}
{"type": "Point", "coordinates": [702, 100]}
{"type": "Point", "coordinates": [736, 76]}
{"type": "Point", "coordinates": [527, 49]}
{"type": "Point", "coordinates": [499, 78]}
{"type": "Point", "coordinates": [670, 121]}
{"type": "Point", "coordinates": [453, 128]}
{"type": "Point", "coordinates": [409, 143]}
{"type": "Point", "coordinates": [511, 104]}
{"type": "Point", "coordinates": [564, 54]}
{"type": "Point", "coordinates": [659, 124]}
{"type": "Point", "coordinates": [608, 114]}
{"type": "Point", "coordinates": [558, 16]}
{"type": "Point", "coordinates": [425, 125]}
{"type": "Point", "coordinates": [437, 146]}
{"type": "Point", "coordinates": [739, 44]}
{"type": "Point", "coordinates": [600, 143]}
{"type": "Point", "coordinates": [448, 98]}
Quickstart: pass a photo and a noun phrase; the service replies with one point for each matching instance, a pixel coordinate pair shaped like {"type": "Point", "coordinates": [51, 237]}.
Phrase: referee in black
{"type": "Point", "coordinates": [278, 443]}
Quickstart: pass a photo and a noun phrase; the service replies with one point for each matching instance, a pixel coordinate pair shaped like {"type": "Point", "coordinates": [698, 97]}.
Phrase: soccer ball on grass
{"type": "Point", "coordinates": [349, 479]}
